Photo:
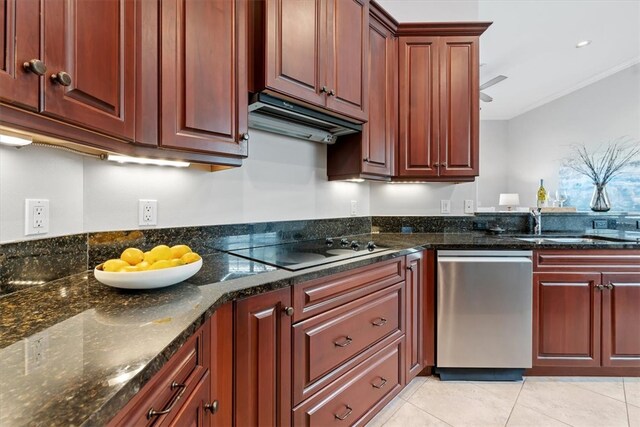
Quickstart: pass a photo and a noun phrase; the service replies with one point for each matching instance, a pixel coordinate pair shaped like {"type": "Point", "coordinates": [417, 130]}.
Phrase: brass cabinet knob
{"type": "Point", "coordinates": [366, 160]}
{"type": "Point", "coordinates": [324, 89]}
{"type": "Point", "coordinates": [332, 92]}
{"type": "Point", "coordinates": [212, 407]}
{"type": "Point", "coordinates": [609, 286]}
{"type": "Point", "coordinates": [244, 136]}
{"type": "Point", "coordinates": [36, 67]}
{"type": "Point", "coordinates": [600, 287]}
{"type": "Point", "coordinates": [288, 311]}
{"type": "Point", "coordinates": [63, 78]}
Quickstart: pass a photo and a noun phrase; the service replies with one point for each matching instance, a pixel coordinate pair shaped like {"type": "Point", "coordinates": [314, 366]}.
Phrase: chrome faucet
{"type": "Point", "coordinates": [537, 217]}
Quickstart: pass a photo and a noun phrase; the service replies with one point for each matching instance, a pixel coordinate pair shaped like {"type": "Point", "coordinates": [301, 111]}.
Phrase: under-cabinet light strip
{"type": "Point", "coordinates": [144, 161]}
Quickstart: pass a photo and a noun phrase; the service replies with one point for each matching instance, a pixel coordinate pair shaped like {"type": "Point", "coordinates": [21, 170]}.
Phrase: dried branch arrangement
{"type": "Point", "coordinates": [602, 166]}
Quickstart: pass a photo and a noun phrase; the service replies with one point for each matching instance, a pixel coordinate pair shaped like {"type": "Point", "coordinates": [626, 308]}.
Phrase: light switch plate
{"type": "Point", "coordinates": [354, 207]}
{"type": "Point", "coordinates": [468, 206]}
{"type": "Point", "coordinates": [445, 206]}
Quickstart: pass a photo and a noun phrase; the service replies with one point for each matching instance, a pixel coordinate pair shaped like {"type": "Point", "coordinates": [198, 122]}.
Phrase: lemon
{"type": "Point", "coordinates": [144, 265]}
{"type": "Point", "coordinates": [190, 257]}
{"type": "Point", "coordinates": [149, 257]}
{"type": "Point", "coordinates": [178, 250]}
{"type": "Point", "coordinates": [161, 252]}
{"type": "Point", "coordinates": [176, 262]}
{"type": "Point", "coordinates": [132, 255]}
{"type": "Point", "coordinates": [128, 269]}
{"type": "Point", "coordinates": [114, 265]}
{"type": "Point", "coordinates": [159, 265]}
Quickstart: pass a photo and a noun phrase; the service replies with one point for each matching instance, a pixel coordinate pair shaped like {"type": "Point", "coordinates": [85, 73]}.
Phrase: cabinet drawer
{"type": "Point", "coordinates": [314, 297]}
{"type": "Point", "coordinates": [172, 384]}
{"type": "Point", "coordinates": [586, 260]}
{"type": "Point", "coordinates": [357, 395]}
{"type": "Point", "coordinates": [324, 342]}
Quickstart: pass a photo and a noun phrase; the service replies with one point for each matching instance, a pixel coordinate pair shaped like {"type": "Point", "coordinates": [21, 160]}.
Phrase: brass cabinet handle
{"type": "Point", "coordinates": [599, 287]}
{"type": "Point", "coordinates": [36, 66]}
{"type": "Point", "coordinates": [332, 93]}
{"type": "Point", "coordinates": [379, 322]}
{"type": "Point", "coordinates": [212, 407]}
{"type": "Point", "coordinates": [609, 286]}
{"type": "Point", "coordinates": [444, 165]}
{"type": "Point", "coordinates": [410, 267]}
{"type": "Point", "coordinates": [63, 78]}
{"type": "Point", "coordinates": [324, 89]}
{"type": "Point", "coordinates": [153, 413]}
{"type": "Point", "coordinates": [288, 311]}
{"type": "Point", "coordinates": [346, 414]}
{"type": "Point", "coordinates": [382, 383]}
{"type": "Point", "coordinates": [244, 136]}
{"type": "Point", "coordinates": [366, 159]}
{"type": "Point", "coordinates": [347, 341]}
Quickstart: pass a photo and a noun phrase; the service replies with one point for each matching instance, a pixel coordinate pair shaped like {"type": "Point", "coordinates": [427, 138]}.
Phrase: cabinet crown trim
{"type": "Point", "coordinates": [442, 28]}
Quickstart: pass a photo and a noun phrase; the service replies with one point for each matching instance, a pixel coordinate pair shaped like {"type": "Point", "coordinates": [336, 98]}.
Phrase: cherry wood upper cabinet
{"type": "Point", "coordinates": [347, 53]}
{"type": "Point", "coordinates": [203, 77]}
{"type": "Point", "coordinates": [20, 44]}
{"type": "Point", "coordinates": [459, 106]}
{"type": "Point", "coordinates": [263, 360]}
{"type": "Point", "coordinates": [89, 53]}
{"type": "Point", "coordinates": [369, 154]}
{"type": "Point", "coordinates": [621, 319]}
{"type": "Point", "coordinates": [312, 51]}
{"type": "Point", "coordinates": [439, 101]}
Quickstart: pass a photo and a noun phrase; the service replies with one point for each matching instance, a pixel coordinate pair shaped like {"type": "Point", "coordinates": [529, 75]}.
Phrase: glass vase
{"type": "Point", "coordinates": [600, 199]}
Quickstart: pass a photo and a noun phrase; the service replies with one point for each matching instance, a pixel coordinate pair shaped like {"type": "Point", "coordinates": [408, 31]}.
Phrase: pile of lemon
{"type": "Point", "coordinates": [162, 256]}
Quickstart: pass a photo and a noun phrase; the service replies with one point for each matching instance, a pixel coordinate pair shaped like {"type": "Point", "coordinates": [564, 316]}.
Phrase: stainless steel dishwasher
{"type": "Point", "coordinates": [484, 314]}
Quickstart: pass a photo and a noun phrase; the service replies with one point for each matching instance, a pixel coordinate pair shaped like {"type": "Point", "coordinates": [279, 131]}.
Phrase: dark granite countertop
{"type": "Point", "coordinates": [100, 345]}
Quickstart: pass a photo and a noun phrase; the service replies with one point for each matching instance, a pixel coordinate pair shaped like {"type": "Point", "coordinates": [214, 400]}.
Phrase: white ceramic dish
{"type": "Point", "coordinates": [147, 279]}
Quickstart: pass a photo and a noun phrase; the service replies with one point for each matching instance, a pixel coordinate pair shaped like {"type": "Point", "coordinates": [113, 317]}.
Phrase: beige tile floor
{"type": "Point", "coordinates": [534, 402]}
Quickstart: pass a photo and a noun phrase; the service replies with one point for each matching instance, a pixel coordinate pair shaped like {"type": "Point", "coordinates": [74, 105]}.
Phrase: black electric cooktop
{"type": "Point", "coordinates": [300, 255]}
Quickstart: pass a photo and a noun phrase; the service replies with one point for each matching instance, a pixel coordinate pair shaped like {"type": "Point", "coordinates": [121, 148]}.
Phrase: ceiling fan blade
{"type": "Point", "coordinates": [493, 81]}
{"type": "Point", "coordinates": [484, 97]}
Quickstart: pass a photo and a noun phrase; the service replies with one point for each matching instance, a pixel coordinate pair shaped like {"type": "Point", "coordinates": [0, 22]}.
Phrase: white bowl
{"type": "Point", "coordinates": [147, 279]}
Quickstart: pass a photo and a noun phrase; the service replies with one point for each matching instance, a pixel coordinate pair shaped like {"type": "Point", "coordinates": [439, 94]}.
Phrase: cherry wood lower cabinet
{"type": "Point", "coordinates": [586, 312]}
{"type": "Point", "coordinates": [263, 360]}
{"type": "Point", "coordinates": [415, 294]}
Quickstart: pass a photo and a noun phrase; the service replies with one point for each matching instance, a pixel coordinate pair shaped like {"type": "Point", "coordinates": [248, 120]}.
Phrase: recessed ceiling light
{"type": "Point", "coordinates": [583, 43]}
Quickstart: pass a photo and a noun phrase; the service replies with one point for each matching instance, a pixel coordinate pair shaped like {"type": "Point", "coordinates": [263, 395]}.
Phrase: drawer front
{"type": "Point", "coordinates": [324, 342]}
{"type": "Point", "coordinates": [587, 260]}
{"type": "Point", "coordinates": [356, 396]}
{"type": "Point", "coordinates": [172, 384]}
{"type": "Point", "coordinates": [316, 296]}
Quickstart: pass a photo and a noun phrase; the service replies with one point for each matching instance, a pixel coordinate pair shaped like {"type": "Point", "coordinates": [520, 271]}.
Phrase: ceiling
{"type": "Point", "coordinates": [533, 43]}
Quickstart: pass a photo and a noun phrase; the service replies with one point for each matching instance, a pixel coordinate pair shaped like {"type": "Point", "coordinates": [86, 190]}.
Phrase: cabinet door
{"type": "Point", "coordinates": [204, 83]}
{"type": "Point", "coordinates": [295, 36]}
{"type": "Point", "coordinates": [419, 117]}
{"type": "Point", "coordinates": [222, 366]}
{"type": "Point", "coordinates": [621, 320]}
{"type": "Point", "coordinates": [429, 309]}
{"type": "Point", "coordinates": [566, 319]}
{"type": "Point", "coordinates": [459, 106]}
{"type": "Point", "coordinates": [347, 51]}
{"type": "Point", "coordinates": [378, 134]}
{"type": "Point", "coordinates": [92, 44]}
{"type": "Point", "coordinates": [19, 43]}
{"type": "Point", "coordinates": [415, 315]}
{"type": "Point", "coordinates": [263, 360]}
{"type": "Point", "coordinates": [192, 411]}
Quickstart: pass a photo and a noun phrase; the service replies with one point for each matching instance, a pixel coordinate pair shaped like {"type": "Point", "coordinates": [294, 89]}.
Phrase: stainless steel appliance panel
{"type": "Point", "coordinates": [484, 309]}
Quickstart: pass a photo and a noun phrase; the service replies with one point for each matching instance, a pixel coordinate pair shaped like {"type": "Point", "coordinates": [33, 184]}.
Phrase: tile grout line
{"type": "Point", "coordinates": [604, 395]}
{"type": "Point", "coordinates": [535, 410]}
{"type": "Point", "coordinates": [626, 402]}
{"type": "Point", "coordinates": [426, 412]}
{"type": "Point", "coordinates": [515, 402]}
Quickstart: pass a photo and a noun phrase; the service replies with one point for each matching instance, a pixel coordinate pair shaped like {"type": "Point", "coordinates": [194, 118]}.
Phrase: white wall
{"type": "Point", "coordinates": [595, 114]}
{"type": "Point", "coordinates": [282, 179]}
{"type": "Point", "coordinates": [424, 199]}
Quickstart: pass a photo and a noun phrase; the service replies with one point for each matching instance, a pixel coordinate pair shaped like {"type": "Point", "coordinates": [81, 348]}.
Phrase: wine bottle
{"type": "Point", "coordinates": [542, 195]}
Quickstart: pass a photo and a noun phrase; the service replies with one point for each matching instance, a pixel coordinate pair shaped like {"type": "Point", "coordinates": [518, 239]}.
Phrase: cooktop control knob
{"type": "Point", "coordinates": [329, 241]}
{"type": "Point", "coordinates": [355, 245]}
{"type": "Point", "coordinates": [371, 246]}
{"type": "Point", "coordinates": [344, 242]}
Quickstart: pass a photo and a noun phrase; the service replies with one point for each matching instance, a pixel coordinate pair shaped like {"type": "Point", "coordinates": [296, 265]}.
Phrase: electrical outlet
{"type": "Point", "coordinates": [468, 206]}
{"type": "Point", "coordinates": [36, 349]}
{"type": "Point", "coordinates": [36, 216]}
{"type": "Point", "coordinates": [445, 206]}
{"type": "Point", "coordinates": [147, 212]}
{"type": "Point", "coordinates": [354, 207]}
